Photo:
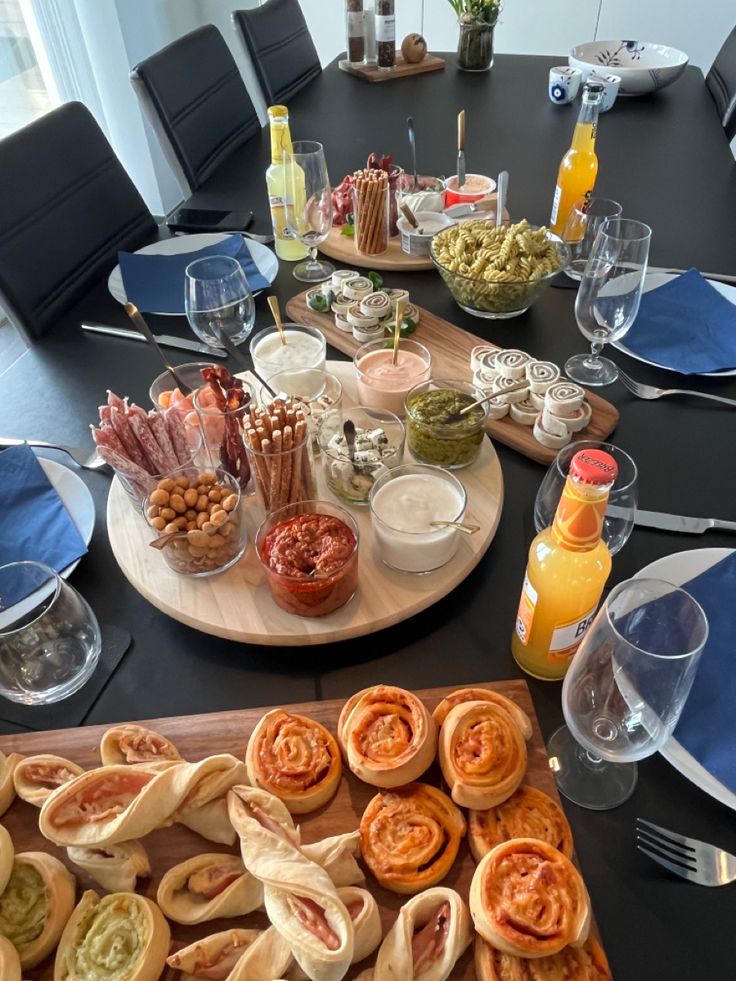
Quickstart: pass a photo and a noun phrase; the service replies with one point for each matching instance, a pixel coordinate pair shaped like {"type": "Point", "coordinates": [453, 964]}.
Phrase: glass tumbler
{"type": "Point", "coordinates": [50, 640]}
{"type": "Point", "coordinates": [218, 300]}
{"type": "Point", "coordinates": [582, 226]}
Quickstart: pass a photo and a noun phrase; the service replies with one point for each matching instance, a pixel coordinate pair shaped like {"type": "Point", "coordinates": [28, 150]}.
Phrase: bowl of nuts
{"type": "Point", "coordinates": [198, 517]}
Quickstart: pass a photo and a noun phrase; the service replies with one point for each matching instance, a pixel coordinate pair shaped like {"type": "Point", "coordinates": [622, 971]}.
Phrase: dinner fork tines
{"type": "Point", "coordinates": [650, 392]}
{"type": "Point", "coordinates": [692, 859]}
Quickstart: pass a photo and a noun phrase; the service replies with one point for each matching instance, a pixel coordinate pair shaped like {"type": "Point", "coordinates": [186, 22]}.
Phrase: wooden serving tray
{"type": "Point", "coordinates": [238, 605]}
{"type": "Point", "coordinates": [371, 73]}
{"type": "Point", "coordinates": [342, 249]}
{"type": "Point", "coordinates": [199, 736]}
{"type": "Point", "coordinates": [450, 347]}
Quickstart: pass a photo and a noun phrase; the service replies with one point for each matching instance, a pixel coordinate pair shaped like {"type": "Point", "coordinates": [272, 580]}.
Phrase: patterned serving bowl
{"type": "Point", "coordinates": [642, 66]}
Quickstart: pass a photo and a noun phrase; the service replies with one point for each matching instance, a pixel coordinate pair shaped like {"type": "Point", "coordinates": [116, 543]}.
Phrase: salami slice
{"type": "Point", "coordinates": [142, 431]}
{"type": "Point", "coordinates": [178, 436]}
{"type": "Point", "coordinates": [115, 401]}
{"type": "Point", "coordinates": [158, 428]}
{"type": "Point", "coordinates": [106, 436]}
{"type": "Point", "coordinates": [133, 450]}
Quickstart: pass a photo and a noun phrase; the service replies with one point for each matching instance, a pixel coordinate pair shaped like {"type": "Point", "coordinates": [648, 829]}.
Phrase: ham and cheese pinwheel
{"type": "Point", "coordinates": [122, 803]}
{"type": "Point", "coordinates": [214, 957]}
{"type": "Point", "coordinates": [9, 961]}
{"type": "Point", "coordinates": [410, 837]}
{"type": "Point", "coordinates": [122, 935]}
{"type": "Point", "coordinates": [586, 963]}
{"type": "Point", "coordinates": [116, 868]}
{"type": "Point", "coordinates": [136, 744]}
{"type": "Point", "coordinates": [7, 785]}
{"type": "Point", "coordinates": [294, 758]}
{"type": "Point", "coordinates": [483, 695]}
{"type": "Point", "coordinates": [528, 813]}
{"type": "Point", "coordinates": [35, 905]}
{"type": "Point", "coordinates": [387, 735]}
{"type": "Point", "coordinates": [482, 754]}
{"type": "Point", "coordinates": [7, 855]}
{"type": "Point", "coordinates": [430, 934]}
{"type": "Point", "coordinates": [528, 900]}
{"type": "Point", "coordinates": [207, 887]}
{"type": "Point", "coordinates": [36, 777]}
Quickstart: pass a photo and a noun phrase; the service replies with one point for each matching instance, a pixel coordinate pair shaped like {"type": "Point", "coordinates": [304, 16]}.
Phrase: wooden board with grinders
{"type": "Point", "coordinates": [402, 68]}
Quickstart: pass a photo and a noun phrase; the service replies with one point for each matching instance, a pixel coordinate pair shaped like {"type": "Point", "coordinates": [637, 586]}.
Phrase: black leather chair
{"type": "Point", "coordinates": [280, 46]}
{"type": "Point", "coordinates": [66, 207]}
{"type": "Point", "coordinates": [721, 82]}
{"type": "Point", "coordinates": [196, 100]}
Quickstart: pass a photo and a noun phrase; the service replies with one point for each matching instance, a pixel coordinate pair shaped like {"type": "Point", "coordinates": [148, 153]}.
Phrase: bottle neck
{"type": "Point", "coordinates": [586, 128]}
{"type": "Point", "coordinates": [578, 523]}
{"type": "Point", "coordinates": [280, 138]}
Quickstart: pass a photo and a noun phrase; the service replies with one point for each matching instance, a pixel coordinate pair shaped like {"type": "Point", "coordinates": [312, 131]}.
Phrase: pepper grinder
{"type": "Point", "coordinates": [369, 28]}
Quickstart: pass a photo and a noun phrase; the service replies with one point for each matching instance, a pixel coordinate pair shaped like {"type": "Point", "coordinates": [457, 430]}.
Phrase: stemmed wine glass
{"type": "Point", "coordinates": [608, 298]}
{"type": "Point", "coordinates": [308, 205]}
{"type": "Point", "coordinates": [218, 301]}
{"type": "Point", "coordinates": [583, 224]}
{"type": "Point", "coordinates": [625, 689]}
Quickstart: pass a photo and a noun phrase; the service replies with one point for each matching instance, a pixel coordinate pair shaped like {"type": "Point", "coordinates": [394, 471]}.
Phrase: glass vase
{"type": "Point", "coordinates": [475, 46]}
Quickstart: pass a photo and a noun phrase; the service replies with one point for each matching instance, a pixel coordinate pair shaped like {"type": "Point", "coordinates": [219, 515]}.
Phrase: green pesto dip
{"type": "Point", "coordinates": [434, 432]}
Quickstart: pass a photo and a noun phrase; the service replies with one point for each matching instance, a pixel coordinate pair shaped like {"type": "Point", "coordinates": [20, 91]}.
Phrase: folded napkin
{"type": "Point", "coordinates": [34, 524]}
{"type": "Point", "coordinates": [685, 325]}
{"type": "Point", "coordinates": [156, 283]}
{"type": "Point", "coordinates": [707, 726]}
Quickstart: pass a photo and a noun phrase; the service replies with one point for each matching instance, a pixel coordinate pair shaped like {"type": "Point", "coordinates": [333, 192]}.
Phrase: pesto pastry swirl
{"type": "Point", "coordinates": [9, 961]}
{"type": "Point", "coordinates": [35, 905]}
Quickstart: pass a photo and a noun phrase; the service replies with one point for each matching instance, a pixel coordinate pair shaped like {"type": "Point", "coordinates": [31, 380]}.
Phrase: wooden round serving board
{"type": "Point", "coordinates": [238, 605]}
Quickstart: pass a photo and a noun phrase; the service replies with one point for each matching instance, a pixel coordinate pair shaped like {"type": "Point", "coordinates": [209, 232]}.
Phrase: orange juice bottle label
{"type": "Point", "coordinates": [527, 605]}
{"type": "Point", "coordinates": [566, 637]}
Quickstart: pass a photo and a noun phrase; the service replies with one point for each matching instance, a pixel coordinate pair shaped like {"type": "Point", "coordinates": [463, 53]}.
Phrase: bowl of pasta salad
{"type": "Point", "coordinates": [498, 272]}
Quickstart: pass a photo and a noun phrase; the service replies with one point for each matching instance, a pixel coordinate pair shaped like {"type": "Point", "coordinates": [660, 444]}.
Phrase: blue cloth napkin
{"type": "Point", "coordinates": [685, 325]}
{"type": "Point", "coordinates": [707, 726]}
{"type": "Point", "coordinates": [155, 283]}
{"type": "Point", "coordinates": [34, 524]}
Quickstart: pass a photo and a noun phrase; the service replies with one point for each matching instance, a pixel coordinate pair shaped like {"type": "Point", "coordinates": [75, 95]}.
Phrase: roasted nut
{"type": "Point", "coordinates": [171, 527]}
{"type": "Point", "coordinates": [180, 522]}
{"type": "Point", "coordinates": [167, 484]}
{"type": "Point", "coordinates": [190, 497]}
{"type": "Point", "coordinates": [202, 517]}
{"type": "Point", "coordinates": [198, 538]}
{"type": "Point", "coordinates": [218, 518]}
{"type": "Point", "coordinates": [153, 511]}
{"type": "Point", "coordinates": [191, 526]}
{"type": "Point", "coordinates": [168, 513]}
{"type": "Point", "coordinates": [158, 523]}
{"type": "Point", "coordinates": [197, 553]}
{"type": "Point", "coordinates": [159, 497]}
{"type": "Point", "coordinates": [202, 489]}
{"type": "Point", "coordinates": [208, 527]}
{"type": "Point", "coordinates": [182, 481]}
{"type": "Point", "coordinates": [207, 478]}
{"type": "Point", "coordinates": [176, 501]}
{"type": "Point", "coordinates": [202, 503]}
{"type": "Point", "coordinates": [215, 494]}
{"type": "Point", "coordinates": [230, 502]}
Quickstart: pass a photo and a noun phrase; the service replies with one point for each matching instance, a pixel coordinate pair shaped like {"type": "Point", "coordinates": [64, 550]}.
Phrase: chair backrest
{"type": "Point", "coordinates": [66, 207]}
{"type": "Point", "coordinates": [280, 46]}
{"type": "Point", "coordinates": [196, 97]}
{"type": "Point", "coordinates": [721, 82]}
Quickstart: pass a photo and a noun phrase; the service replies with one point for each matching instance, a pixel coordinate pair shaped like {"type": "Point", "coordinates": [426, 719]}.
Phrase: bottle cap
{"type": "Point", "coordinates": [594, 467]}
{"type": "Point", "coordinates": [592, 87]}
{"type": "Point", "coordinates": [276, 112]}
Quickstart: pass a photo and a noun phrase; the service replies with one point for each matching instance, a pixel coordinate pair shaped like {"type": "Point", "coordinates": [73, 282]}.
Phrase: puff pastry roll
{"type": "Point", "coordinates": [123, 803]}
{"type": "Point", "coordinates": [482, 754]}
{"type": "Point", "coordinates": [36, 777]}
{"type": "Point", "coordinates": [35, 905]}
{"type": "Point", "coordinates": [7, 786]}
{"type": "Point", "coordinates": [430, 934]}
{"type": "Point", "coordinates": [7, 855]}
{"type": "Point", "coordinates": [410, 837]}
{"type": "Point", "coordinates": [528, 813]}
{"type": "Point", "coordinates": [9, 961]}
{"type": "Point", "coordinates": [387, 736]}
{"type": "Point", "coordinates": [483, 695]}
{"type": "Point", "coordinates": [363, 911]}
{"type": "Point", "coordinates": [207, 887]}
{"type": "Point", "coordinates": [136, 744]}
{"type": "Point", "coordinates": [528, 900]}
{"type": "Point", "coordinates": [294, 758]}
{"type": "Point", "coordinates": [116, 868]}
{"type": "Point", "coordinates": [122, 935]}
{"type": "Point", "coordinates": [213, 957]}
{"type": "Point", "coordinates": [338, 857]}
{"type": "Point", "coordinates": [586, 963]}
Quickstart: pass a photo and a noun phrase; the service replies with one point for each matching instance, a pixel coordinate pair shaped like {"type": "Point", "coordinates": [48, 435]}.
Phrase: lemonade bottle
{"type": "Point", "coordinates": [567, 569]}
{"type": "Point", "coordinates": [579, 167]}
{"type": "Point", "coordinates": [286, 244]}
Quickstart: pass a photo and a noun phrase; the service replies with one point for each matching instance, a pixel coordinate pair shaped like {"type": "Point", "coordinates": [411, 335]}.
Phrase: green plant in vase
{"type": "Point", "coordinates": [476, 19]}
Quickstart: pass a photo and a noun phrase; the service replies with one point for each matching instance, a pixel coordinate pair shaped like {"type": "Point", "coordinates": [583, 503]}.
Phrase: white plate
{"type": "Point", "coordinates": [76, 498]}
{"type": "Point", "coordinates": [679, 569]}
{"type": "Point", "coordinates": [264, 258]}
{"type": "Point", "coordinates": [651, 282]}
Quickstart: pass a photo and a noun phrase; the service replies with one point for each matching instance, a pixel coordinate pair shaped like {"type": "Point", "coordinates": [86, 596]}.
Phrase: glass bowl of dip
{"type": "Point", "coordinates": [383, 385]}
{"type": "Point", "coordinates": [417, 241]}
{"type": "Point", "coordinates": [379, 446]}
{"type": "Point", "coordinates": [427, 195]}
{"type": "Point", "coordinates": [309, 555]}
{"type": "Point", "coordinates": [317, 392]}
{"type": "Point", "coordinates": [305, 348]}
{"type": "Point", "coordinates": [436, 432]}
{"type": "Point", "coordinates": [403, 503]}
{"type": "Point", "coordinates": [476, 186]}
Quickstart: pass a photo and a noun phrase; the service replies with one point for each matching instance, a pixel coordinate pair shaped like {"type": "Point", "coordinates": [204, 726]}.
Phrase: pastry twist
{"type": "Point", "coordinates": [296, 759]}
{"type": "Point", "coordinates": [482, 754]}
{"type": "Point", "coordinates": [9, 961]}
{"type": "Point", "coordinates": [7, 786]}
{"type": "Point", "coordinates": [586, 963]}
{"type": "Point", "coordinates": [430, 934]}
{"type": "Point", "coordinates": [528, 813]}
{"type": "Point", "coordinates": [387, 735]}
{"type": "Point", "coordinates": [7, 855]}
{"type": "Point", "coordinates": [35, 905]}
{"type": "Point", "coordinates": [483, 695]}
{"type": "Point", "coordinates": [528, 900]}
{"type": "Point", "coordinates": [136, 744]}
{"type": "Point", "coordinates": [213, 957]}
{"type": "Point", "coordinates": [36, 777]}
{"type": "Point", "coordinates": [207, 887]}
{"type": "Point", "coordinates": [122, 935]}
{"type": "Point", "coordinates": [410, 837]}
{"type": "Point", "coordinates": [116, 868]}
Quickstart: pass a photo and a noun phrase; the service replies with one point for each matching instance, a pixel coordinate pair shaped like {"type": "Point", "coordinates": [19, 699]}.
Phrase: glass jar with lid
{"type": "Point", "coordinates": [354, 31]}
{"type": "Point", "coordinates": [385, 35]}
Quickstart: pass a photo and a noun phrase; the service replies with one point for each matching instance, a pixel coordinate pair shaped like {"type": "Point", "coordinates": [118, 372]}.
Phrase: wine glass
{"type": "Point", "coordinates": [609, 294]}
{"type": "Point", "coordinates": [308, 205]}
{"type": "Point", "coordinates": [622, 500]}
{"type": "Point", "coordinates": [50, 640]}
{"type": "Point", "coordinates": [582, 226]}
{"type": "Point", "coordinates": [218, 301]}
{"type": "Point", "coordinates": [625, 689]}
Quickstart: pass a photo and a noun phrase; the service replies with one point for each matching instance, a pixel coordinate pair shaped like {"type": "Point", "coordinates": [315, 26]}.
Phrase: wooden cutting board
{"type": "Point", "coordinates": [450, 347]}
{"type": "Point", "coordinates": [342, 249]}
{"type": "Point", "coordinates": [199, 736]}
{"type": "Point", "coordinates": [371, 73]}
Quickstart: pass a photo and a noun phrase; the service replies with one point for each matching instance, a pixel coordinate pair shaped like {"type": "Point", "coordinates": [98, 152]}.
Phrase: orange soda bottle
{"type": "Point", "coordinates": [579, 167]}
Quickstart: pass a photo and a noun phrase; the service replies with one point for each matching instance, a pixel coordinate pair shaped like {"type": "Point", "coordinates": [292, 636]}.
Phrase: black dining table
{"type": "Point", "coordinates": [666, 159]}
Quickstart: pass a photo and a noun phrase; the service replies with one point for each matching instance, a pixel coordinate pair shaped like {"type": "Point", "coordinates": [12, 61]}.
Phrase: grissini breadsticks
{"type": "Point", "coordinates": [276, 435]}
{"type": "Point", "coordinates": [136, 744]}
{"type": "Point", "coordinates": [9, 961]}
{"type": "Point", "coordinates": [206, 887]}
{"type": "Point", "coordinates": [116, 868]}
{"type": "Point", "coordinates": [528, 813]}
{"type": "Point", "coordinates": [35, 777]}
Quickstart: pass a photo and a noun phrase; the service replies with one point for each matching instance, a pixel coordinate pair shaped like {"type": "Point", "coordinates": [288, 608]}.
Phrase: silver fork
{"type": "Point", "coordinates": [90, 461]}
{"type": "Point", "coordinates": [650, 392]}
{"type": "Point", "coordinates": [692, 859]}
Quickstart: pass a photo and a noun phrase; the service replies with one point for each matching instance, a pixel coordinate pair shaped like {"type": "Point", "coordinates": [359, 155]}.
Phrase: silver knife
{"type": "Point", "coordinates": [460, 149]}
{"type": "Point", "coordinates": [672, 522]}
{"type": "Point", "coordinates": [719, 277]}
{"type": "Point", "coordinates": [166, 340]}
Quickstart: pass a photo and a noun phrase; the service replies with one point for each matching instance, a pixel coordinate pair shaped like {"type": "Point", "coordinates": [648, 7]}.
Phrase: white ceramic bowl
{"type": "Point", "coordinates": [642, 66]}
